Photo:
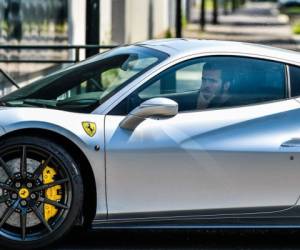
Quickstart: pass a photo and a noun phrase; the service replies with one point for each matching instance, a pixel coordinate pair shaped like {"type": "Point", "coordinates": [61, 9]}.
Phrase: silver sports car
{"type": "Point", "coordinates": [160, 134]}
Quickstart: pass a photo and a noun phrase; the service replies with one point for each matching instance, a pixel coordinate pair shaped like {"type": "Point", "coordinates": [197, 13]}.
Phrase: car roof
{"type": "Point", "coordinates": [180, 47]}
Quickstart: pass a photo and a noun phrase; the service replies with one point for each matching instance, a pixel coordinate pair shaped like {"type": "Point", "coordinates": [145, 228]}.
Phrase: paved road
{"type": "Point", "coordinates": [257, 22]}
{"type": "Point", "coordinates": [182, 239]}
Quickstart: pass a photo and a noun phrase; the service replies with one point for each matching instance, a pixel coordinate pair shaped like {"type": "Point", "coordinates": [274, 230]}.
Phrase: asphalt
{"type": "Point", "coordinates": [181, 239]}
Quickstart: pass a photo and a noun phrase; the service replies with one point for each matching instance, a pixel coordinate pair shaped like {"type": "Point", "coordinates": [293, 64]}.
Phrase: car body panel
{"type": "Point", "coordinates": [282, 218]}
{"type": "Point", "coordinates": [70, 126]}
{"type": "Point", "coordinates": [185, 47]}
{"type": "Point", "coordinates": [201, 161]}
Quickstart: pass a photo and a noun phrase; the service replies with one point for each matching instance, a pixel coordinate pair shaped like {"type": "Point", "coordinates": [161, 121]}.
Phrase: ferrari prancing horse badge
{"type": "Point", "coordinates": [90, 128]}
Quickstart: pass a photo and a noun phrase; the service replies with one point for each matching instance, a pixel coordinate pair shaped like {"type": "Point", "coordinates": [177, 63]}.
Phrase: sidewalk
{"type": "Point", "coordinates": [257, 22]}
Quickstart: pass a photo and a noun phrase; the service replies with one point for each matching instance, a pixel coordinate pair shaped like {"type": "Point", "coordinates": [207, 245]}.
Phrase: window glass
{"type": "Point", "coordinates": [102, 81]}
{"type": "Point", "coordinates": [185, 79]}
{"type": "Point", "coordinates": [83, 86]}
{"type": "Point", "coordinates": [213, 82]}
{"type": "Point", "coordinates": [295, 80]}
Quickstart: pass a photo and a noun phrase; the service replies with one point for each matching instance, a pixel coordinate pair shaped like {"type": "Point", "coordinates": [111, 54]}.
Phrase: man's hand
{"type": "Point", "coordinates": [204, 100]}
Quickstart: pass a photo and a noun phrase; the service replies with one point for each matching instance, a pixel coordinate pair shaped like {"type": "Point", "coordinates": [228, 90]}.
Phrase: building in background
{"type": "Point", "coordinates": [57, 22]}
{"type": "Point", "coordinates": [141, 20]}
{"type": "Point", "coordinates": [31, 22]}
{"type": "Point", "coordinates": [124, 21]}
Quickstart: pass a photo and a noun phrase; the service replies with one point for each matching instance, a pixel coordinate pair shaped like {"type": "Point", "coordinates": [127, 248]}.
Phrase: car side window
{"type": "Point", "coordinates": [213, 82]}
{"type": "Point", "coordinates": [295, 80]}
{"type": "Point", "coordinates": [184, 79]}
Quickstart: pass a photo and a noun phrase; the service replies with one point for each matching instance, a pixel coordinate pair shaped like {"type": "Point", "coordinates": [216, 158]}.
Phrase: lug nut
{"type": "Point", "coordinates": [33, 196]}
{"type": "Point", "coordinates": [23, 203]}
{"type": "Point", "coordinates": [14, 196]}
{"type": "Point", "coordinates": [18, 184]}
{"type": "Point", "coordinates": [29, 185]}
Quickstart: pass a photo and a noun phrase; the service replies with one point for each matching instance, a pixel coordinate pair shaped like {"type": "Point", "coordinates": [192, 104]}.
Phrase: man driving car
{"type": "Point", "coordinates": [215, 86]}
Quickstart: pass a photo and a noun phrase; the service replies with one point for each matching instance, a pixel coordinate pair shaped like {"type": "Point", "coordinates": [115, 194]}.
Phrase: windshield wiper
{"type": "Point", "coordinates": [40, 102]}
{"type": "Point", "coordinates": [2, 103]}
{"type": "Point", "coordinates": [85, 102]}
{"type": "Point", "coordinates": [29, 103]}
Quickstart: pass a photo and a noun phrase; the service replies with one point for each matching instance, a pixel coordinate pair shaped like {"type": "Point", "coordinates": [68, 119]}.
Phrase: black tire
{"type": "Point", "coordinates": [29, 205]}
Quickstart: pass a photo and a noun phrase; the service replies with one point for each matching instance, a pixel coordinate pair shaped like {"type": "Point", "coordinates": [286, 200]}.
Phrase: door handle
{"type": "Point", "coordinates": [295, 142]}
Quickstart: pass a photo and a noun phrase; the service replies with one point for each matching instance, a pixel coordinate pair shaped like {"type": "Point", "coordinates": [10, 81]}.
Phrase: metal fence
{"type": "Point", "coordinates": [75, 48]}
{"type": "Point", "coordinates": [76, 58]}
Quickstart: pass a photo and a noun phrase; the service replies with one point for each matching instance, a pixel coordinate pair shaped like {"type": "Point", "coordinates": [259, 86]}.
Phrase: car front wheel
{"type": "Point", "coordinates": [41, 192]}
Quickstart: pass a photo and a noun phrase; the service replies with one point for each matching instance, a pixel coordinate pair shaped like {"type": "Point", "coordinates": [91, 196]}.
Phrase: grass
{"type": "Point", "coordinates": [296, 27]}
{"type": "Point", "coordinates": [291, 10]}
{"type": "Point", "coordinates": [168, 33]}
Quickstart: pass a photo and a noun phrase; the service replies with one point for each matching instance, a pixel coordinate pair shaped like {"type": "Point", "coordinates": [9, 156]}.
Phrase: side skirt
{"type": "Point", "coordinates": [285, 218]}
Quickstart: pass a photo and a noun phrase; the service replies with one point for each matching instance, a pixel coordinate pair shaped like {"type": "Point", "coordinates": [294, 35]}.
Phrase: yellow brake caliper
{"type": "Point", "coordinates": [51, 193]}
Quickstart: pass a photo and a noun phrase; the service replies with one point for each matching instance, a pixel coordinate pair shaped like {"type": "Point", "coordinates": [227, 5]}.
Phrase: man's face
{"type": "Point", "coordinates": [211, 83]}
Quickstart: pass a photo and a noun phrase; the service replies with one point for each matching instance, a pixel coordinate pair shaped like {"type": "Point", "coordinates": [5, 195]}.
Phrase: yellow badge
{"type": "Point", "coordinates": [90, 128]}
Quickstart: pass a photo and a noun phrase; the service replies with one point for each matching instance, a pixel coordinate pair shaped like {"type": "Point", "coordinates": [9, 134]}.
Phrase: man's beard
{"type": "Point", "coordinates": [207, 93]}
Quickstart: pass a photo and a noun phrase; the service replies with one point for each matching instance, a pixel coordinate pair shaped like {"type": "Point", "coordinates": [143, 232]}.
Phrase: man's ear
{"type": "Point", "coordinates": [226, 85]}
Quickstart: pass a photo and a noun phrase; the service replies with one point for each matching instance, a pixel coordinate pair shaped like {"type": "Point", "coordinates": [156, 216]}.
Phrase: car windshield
{"type": "Point", "coordinates": [85, 85]}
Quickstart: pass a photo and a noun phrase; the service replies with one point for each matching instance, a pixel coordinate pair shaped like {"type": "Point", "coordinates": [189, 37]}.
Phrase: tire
{"type": "Point", "coordinates": [29, 199]}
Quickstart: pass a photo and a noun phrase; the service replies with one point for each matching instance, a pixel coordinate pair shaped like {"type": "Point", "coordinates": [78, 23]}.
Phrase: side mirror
{"type": "Point", "coordinates": [158, 107]}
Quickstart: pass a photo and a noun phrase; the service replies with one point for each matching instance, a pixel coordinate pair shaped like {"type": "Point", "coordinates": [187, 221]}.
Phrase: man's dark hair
{"type": "Point", "coordinates": [226, 74]}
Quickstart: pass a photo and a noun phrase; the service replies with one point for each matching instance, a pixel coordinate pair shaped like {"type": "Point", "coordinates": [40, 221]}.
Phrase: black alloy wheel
{"type": "Point", "coordinates": [38, 199]}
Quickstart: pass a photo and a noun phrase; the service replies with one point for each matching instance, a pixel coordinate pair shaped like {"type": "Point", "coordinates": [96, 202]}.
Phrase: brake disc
{"type": "Point", "coordinates": [14, 219]}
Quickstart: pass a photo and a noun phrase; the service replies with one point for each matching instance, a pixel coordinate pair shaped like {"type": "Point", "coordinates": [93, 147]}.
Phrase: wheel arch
{"type": "Point", "coordinates": [90, 195]}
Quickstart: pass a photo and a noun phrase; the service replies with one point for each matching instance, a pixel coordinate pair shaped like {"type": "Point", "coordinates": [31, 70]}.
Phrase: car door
{"type": "Point", "coordinates": [225, 158]}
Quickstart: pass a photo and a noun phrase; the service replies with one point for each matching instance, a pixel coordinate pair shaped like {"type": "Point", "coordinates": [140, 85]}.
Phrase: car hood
{"type": "Point", "coordinates": [5, 108]}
